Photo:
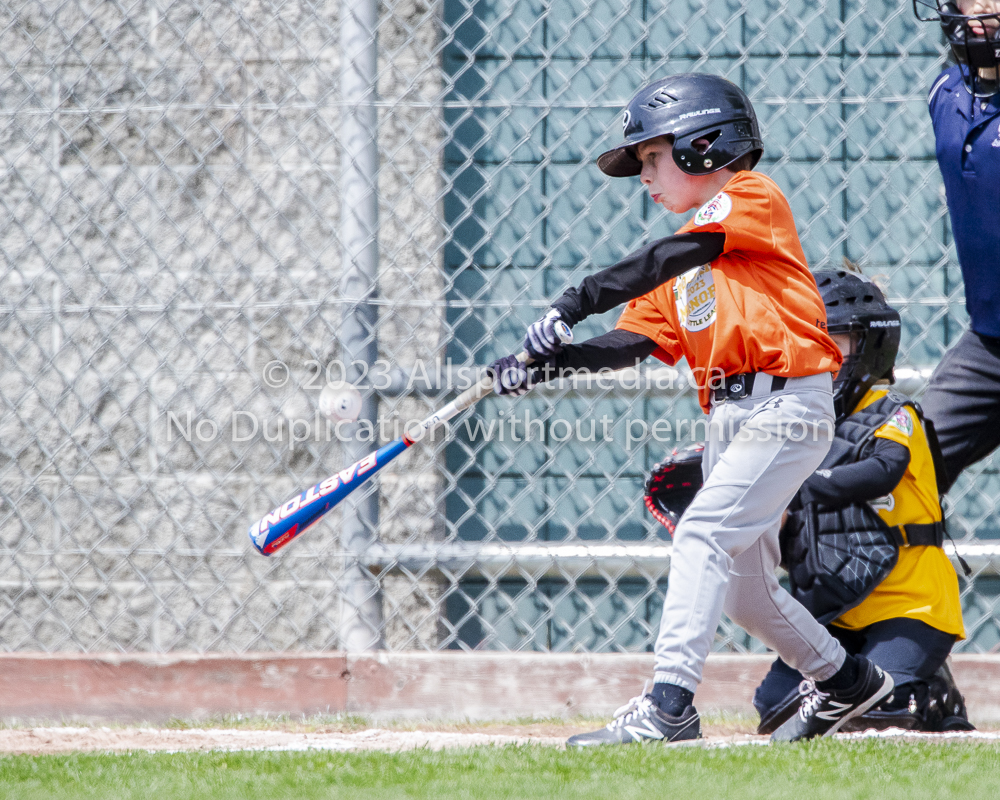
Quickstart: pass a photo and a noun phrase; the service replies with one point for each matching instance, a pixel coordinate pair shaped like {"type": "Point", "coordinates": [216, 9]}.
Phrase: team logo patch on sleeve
{"type": "Point", "coordinates": [715, 210]}
{"type": "Point", "coordinates": [902, 421]}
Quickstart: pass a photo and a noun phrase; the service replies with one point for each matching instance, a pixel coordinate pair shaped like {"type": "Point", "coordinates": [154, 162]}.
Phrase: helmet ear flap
{"type": "Point", "coordinates": [711, 149]}
{"type": "Point", "coordinates": [693, 154]}
{"type": "Point", "coordinates": [690, 159]}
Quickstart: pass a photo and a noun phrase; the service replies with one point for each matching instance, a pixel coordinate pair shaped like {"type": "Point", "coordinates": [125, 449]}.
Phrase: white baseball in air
{"type": "Point", "coordinates": [340, 401]}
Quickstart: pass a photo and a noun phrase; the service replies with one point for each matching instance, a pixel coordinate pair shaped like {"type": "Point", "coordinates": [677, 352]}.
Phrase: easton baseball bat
{"type": "Point", "coordinates": [294, 517]}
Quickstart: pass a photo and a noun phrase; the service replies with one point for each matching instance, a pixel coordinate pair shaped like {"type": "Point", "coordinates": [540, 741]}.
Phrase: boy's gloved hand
{"type": "Point", "coordinates": [545, 338]}
{"type": "Point", "coordinates": [511, 378]}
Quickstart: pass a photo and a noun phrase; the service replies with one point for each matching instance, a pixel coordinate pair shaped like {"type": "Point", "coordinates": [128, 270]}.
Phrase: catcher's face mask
{"type": "Point", "coordinates": [857, 307]}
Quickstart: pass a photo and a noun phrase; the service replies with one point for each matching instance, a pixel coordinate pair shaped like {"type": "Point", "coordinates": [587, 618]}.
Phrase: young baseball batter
{"type": "Point", "coordinates": [882, 461]}
{"type": "Point", "coordinates": [732, 294]}
{"type": "Point", "coordinates": [963, 398]}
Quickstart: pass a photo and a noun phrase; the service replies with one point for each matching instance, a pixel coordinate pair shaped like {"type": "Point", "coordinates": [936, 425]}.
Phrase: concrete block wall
{"type": "Point", "coordinates": [169, 175]}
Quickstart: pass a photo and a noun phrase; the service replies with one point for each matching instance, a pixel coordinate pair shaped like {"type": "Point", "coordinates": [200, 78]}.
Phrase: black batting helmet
{"type": "Point", "coordinates": [688, 107]}
{"type": "Point", "coordinates": [975, 51]}
{"type": "Point", "coordinates": [856, 306]}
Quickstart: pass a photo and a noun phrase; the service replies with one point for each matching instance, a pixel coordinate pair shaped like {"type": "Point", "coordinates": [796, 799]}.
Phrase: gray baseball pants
{"type": "Point", "coordinates": [963, 402]}
{"type": "Point", "coordinates": [758, 452]}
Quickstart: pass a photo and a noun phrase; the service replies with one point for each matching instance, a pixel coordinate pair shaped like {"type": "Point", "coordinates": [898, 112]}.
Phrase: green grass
{"type": "Point", "coordinates": [820, 770]}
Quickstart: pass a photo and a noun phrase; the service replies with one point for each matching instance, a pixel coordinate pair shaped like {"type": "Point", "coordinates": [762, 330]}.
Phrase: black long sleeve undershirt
{"type": "Point", "coordinates": [615, 349]}
{"type": "Point", "coordinates": [874, 476]}
{"type": "Point", "coordinates": [639, 273]}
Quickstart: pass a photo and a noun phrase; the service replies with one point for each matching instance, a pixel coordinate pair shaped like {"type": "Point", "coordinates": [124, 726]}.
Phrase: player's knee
{"type": "Point", "coordinates": [742, 598]}
{"type": "Point", "coordinates": [694, 531]}
{"type": "Point", "coordinates": [697, 531]}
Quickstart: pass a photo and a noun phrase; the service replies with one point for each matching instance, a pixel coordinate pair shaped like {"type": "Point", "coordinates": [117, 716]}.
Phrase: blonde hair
{"type": "Point", "coordinates": [881, 281]}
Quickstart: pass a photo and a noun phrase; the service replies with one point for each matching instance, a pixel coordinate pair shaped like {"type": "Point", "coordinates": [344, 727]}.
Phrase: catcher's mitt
{"type": "Point", "coordinates": [673, 483]}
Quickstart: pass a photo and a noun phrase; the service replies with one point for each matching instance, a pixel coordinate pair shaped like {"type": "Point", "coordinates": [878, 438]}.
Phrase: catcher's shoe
{"type": "Point", "coordinates": [642, 720]}
{"type": "Point", "coordinates": [946, 706]}
{"type": "Point", "coordinates": [935, 705]}
{"type": "Point", "coordinates": [824, 713]}
{"type": "Point", "coordinates": [876, 719]}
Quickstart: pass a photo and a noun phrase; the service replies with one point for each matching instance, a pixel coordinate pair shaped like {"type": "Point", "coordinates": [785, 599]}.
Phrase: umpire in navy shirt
{"type": "Point", "coordinates": [963, 398]}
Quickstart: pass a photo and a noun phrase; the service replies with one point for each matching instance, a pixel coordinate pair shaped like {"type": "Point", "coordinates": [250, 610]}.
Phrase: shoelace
{"type": "Point", "coordinates": [634, 708]}
{"type": "Point", "coordinates": [812, 698]}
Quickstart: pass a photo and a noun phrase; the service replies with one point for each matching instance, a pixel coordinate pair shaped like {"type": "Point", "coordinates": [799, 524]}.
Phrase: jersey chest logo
{"type": "Point", "coordinates": [996, 142]}
{"type": "Point", "coordinates": [694, 294]}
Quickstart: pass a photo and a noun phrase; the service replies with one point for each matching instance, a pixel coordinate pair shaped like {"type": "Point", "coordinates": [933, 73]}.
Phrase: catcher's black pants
{"type": "Point", "coordinates": [963, 401]}
{"type": "Point", "coordinates": [908, 649]}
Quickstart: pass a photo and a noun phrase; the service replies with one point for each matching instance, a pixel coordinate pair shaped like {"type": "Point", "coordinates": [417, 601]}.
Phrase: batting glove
{"type": "Point", "coordinates": [541, 340]}
{"type": "Point", "coordinates": [511, 378]}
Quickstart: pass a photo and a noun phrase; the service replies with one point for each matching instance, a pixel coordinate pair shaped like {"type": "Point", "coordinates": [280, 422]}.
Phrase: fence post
{"type": "Point", "coordinates": [361, 606]}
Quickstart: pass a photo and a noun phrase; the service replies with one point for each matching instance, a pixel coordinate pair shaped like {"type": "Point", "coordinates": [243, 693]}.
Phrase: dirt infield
{"type": "Point", "coordinates": [335, 735]}
{"type": "Point", "coordinates": [40, 741]}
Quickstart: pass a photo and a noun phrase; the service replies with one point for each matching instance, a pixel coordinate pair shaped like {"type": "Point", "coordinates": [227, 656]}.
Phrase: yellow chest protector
{"type": "Point", "coordinates": [923, 584]}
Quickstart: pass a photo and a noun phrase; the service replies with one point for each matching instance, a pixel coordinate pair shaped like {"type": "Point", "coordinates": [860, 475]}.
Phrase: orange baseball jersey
{"type": "Point", "coordinates": [755, 308]}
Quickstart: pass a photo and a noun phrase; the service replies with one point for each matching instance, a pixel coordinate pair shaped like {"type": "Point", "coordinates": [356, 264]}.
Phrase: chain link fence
{"type": "Point", "coordinates": [210, 208]}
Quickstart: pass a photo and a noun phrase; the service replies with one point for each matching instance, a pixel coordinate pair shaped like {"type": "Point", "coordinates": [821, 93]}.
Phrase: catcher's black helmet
{"type": "Point", "coordinates": [857, 307]}
{"type": "Point", "coordinates": [688, 107]}
{"type": "Point", "coordinates": [975, 51]}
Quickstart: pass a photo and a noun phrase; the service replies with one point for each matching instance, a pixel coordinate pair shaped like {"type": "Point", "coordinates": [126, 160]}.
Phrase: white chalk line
{"type": "Point", "coordinates": [65, 739]}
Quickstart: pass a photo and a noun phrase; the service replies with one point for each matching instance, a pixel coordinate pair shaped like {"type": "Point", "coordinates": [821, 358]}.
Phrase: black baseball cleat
{"type": "Point", "coordinates": [641, 720]}
{"type": "Point", "coordinates": [789, 705]}
{"type": "Point", "coordinates": [823, 713]}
